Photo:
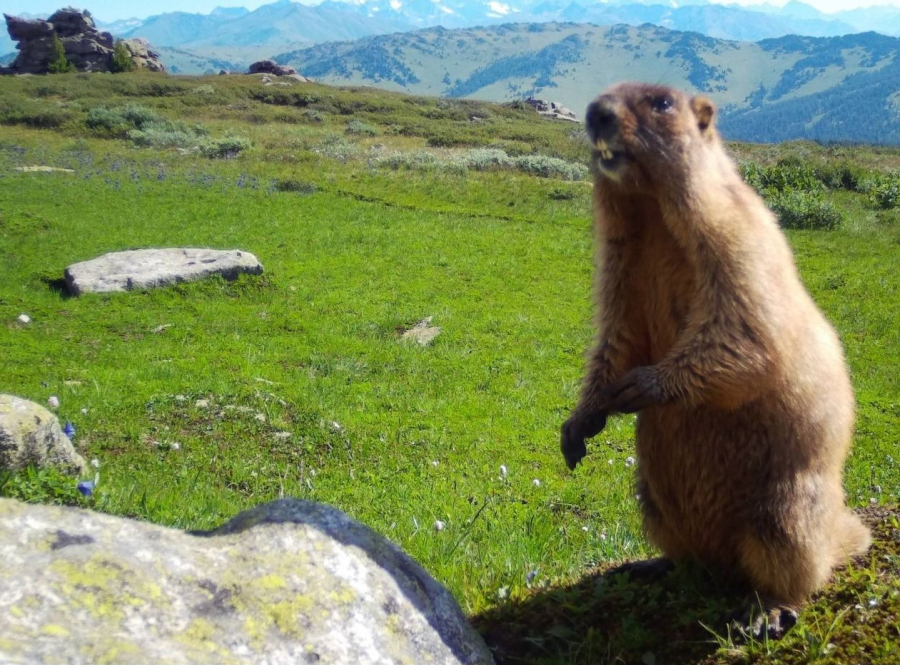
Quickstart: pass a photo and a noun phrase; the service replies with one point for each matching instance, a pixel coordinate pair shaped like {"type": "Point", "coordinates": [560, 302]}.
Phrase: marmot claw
{"type": "Point", "coordinates": [575, 430]}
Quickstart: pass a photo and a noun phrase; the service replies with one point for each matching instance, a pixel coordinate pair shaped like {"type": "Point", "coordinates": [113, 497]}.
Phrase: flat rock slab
{"type": "Point", "coordinates": [148, 268]}
{"type": "Point", "coordinates": [287, 583]}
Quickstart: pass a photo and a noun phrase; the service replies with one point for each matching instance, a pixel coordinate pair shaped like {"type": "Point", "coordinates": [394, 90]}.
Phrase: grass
{"type": "Point", "coordinates": [204, 399]}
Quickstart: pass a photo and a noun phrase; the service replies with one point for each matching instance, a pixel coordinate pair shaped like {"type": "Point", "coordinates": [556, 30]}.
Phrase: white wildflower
{"type": "Point", "coordinates": [439, 525]}
{"type": "Point", "coordinates": [53, 401]}
{"type": "Point", "coordinates": [629, 461]}
{"type": "Point", "coordinates": [24, 318]}
{"type": "Point", "coordinates": [536, 482]}
{"type": "Point", "coordinates": [503, 471]}
{"type": "Point", "coordinates": [95, 463]}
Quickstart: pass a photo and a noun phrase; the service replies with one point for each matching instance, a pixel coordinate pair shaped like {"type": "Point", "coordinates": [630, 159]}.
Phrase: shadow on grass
{"type": "Point", "coordinates": [58, 286]}
{"type": "Point", "coordinates": [609, 618]}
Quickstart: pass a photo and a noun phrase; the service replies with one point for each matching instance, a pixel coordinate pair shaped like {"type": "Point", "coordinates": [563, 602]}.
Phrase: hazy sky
{"type": "Point", "coordinates": [111, 10]}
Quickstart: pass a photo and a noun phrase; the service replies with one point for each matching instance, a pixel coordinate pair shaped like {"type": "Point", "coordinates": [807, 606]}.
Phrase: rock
{"type": "Point", "coordinates": [30, 434]}
{"type": "Point", "coordinates": [288, 582]}
{"type": "Point", "coordinates": [42, 169]}
{"type": "Point", "coordinates": [423, 332]}
{"type": "Point", "coordinates": [551, 109]}
{"type": "Point", "coordinates": [148, 268]}
{"type": "Point", "coordinates": [144, 57]}
{"type": "Point", "coordinates": [270, 67]}
{"type": "Point", "coordinates": [88, 49]}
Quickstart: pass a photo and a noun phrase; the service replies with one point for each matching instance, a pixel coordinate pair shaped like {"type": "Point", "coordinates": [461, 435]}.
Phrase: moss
{"type": "Point", "coordinates": [54, 630]}
{"type": "Point", "coordinates": [271, 582]}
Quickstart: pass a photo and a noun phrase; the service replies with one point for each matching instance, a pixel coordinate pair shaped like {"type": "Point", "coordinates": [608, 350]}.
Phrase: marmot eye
{"type": "Point", "coordinates": [661, 104]}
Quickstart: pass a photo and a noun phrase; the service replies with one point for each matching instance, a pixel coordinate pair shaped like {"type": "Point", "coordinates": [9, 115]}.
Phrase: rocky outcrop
{"type": "Point", "coordinates": [288, 582]}
{"type": "Point", "coordinates": [31, 436]}
{"type": "Point", "coordinates": [551, 109]}
{"type": "Point", "coordinates": [147, 268]}
{"type": "Point", "coordinates": [142, 55]}
{"type": "Point", "coordinates": [88, 49]}
{"type": "Point", "coordinates": [270, 67]}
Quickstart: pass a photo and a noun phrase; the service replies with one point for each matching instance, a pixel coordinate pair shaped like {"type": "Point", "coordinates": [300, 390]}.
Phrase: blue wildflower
{"type": "Point", "coordinates": [69, 430]}
{"type": "Point", "coordinates": [86, 487]}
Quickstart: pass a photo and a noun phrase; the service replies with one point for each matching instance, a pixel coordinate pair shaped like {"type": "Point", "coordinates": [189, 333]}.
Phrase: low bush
{"type": "Point", "coordinates": [803, 210]}
{"type": "Point", "coordinates": [361, 128]}
{"type": "Point", "coordinates": [296, 186]}
{"type": "Point", "coordinates": [885, 195]}
{"type": "Point", "coordinates": [17, 110]}
{"type": "Point", "coordinates": [226, 147]}
{"type": "Point", "coordinates": [484, 159]}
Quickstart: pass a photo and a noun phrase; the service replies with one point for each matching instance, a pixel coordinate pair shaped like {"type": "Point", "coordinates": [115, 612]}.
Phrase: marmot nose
{"type": "Point", "coordinates": [601, 119]}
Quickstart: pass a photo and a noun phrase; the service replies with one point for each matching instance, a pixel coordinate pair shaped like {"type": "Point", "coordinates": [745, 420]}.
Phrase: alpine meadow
{"type": "Point", "coordinates": [373, 211]}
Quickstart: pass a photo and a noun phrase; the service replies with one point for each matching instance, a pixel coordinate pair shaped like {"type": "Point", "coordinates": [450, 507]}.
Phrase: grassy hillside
{"type": "Point", "coordinates": [372, 211]}
{"type": "Point", "coordinates": [806, 83]}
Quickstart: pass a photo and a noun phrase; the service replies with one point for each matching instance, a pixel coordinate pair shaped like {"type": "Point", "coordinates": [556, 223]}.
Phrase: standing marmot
{"type": "Point", "coordinates": [744, 399]}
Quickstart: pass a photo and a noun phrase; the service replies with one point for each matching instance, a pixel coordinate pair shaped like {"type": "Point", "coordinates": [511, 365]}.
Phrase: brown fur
{"type": "Point", "coordinates": [744, 398]}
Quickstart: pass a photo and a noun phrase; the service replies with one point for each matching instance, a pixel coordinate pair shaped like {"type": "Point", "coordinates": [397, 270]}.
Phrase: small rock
{"type": "Point", "coordinates": [31, 435]}
{"type": "Point", "coordinates": [42, 169]}
{"type": "Point", "coordinates": [422, 333]}
{"type": "Point", "coordinates": [202, 404]}
{"type": "Point", "coordinates": [24, 319]}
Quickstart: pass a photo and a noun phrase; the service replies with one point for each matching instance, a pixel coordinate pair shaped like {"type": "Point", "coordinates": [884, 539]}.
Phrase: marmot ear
{"type": "Point", "coordinates": [705, 112]}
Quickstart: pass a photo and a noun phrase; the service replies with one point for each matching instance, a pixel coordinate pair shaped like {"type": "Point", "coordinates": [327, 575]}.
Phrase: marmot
{"type": "Point", "coordinates": [745, 408]}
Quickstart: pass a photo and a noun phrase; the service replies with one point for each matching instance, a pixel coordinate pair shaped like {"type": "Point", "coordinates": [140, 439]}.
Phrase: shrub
{"type": "Point", "coordinates": [121, 59]}
{"type": "Point", "coordinates": [360, 127]}
{"type": "Point", "coordinates": [337, 147]}
{"type": "Point", "coordinates": [226, 147]}
{"type": "Point", "coordinates": [840, 176]}
{"type": "Point", "coordinates": [15, 110]}
{"type": "Point", "coordinates": [787, 175]}
{"type": "Point", "coordinates": [59, 64]}
{"type": "Point", "coordinates": [885, 195]}
{"type": "Point", "coordinates": [164, 135]}
{"type": "Point", "coordinates": [551, 167]}
{"type": "Point", "coordinates": [296, 186]}
{"type": "Point", "coordinates": [803, 210]}
{"type": "Point", "coordinates": [117, 122]}
{"type": "Point", "coordinates": [485, 159]}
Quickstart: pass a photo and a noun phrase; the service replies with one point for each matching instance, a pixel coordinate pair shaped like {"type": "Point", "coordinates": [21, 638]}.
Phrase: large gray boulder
{"type": "Point", "coordinates": [31, 435]}
{"type": "Point", "coordinates": [147, 268]}
{"type": "Point", "coordinates": [87, 48]}
{"type": "Point", "coordinates": [289, 582]}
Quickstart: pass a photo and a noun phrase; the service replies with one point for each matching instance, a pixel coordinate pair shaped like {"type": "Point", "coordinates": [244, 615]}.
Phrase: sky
{"type": "Point", "coordinates": [113, 10]}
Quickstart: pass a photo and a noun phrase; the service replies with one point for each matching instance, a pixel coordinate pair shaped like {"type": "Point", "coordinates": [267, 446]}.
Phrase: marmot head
{"type": "Point", "coordinates": [643, 135]}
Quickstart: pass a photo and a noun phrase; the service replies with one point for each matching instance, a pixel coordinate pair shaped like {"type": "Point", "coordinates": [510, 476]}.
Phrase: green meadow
{"type": "Point", "coordinates": [372, 211]}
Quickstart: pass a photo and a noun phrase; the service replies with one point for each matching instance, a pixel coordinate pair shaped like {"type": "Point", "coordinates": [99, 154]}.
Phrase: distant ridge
{"type": "Point", "coordinates": [824, 88]}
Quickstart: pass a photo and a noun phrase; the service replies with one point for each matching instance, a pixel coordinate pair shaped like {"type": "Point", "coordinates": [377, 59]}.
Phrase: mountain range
{"type": "Point", "coordinates": [235, 36]}
{"type": "Point", "coordinates": [833, 84]}
{"type": "Point", "coordinates": [823, 88]}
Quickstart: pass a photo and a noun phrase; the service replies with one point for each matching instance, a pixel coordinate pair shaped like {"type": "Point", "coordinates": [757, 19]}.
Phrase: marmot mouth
{"type": "Point", "coordinates": [609, 159]}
